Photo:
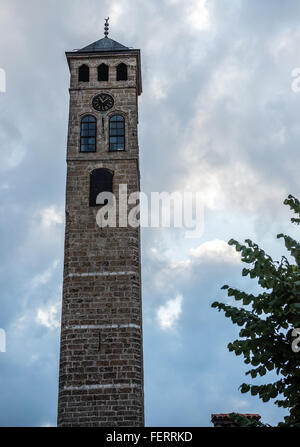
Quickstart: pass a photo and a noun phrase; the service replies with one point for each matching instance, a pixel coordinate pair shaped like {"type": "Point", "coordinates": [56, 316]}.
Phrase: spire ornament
{"type": "Point", "coordinates": [106, 27]}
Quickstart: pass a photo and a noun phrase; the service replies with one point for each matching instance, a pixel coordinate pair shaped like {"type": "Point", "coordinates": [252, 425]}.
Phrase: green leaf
{"type": "Point", "coordinates": [244, 388]}
{"type": "Point", "coordinates": [265, 339]}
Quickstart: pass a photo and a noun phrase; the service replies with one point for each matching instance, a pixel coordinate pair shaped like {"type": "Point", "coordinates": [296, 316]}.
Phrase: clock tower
{"type": "Point", "coordinates": [101, 351]}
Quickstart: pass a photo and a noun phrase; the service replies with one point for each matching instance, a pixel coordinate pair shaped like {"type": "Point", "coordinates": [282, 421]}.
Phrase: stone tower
{"type": "Point", "coordinates": [101, 351]}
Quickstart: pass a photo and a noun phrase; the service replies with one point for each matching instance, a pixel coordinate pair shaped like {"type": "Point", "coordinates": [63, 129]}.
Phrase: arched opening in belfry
{"type": "Point", "coordinates": [103, 71]}
{"type": "Point", "coordinates": [84, 73]}
{"type": "Point", "coordinates": [122, 74]}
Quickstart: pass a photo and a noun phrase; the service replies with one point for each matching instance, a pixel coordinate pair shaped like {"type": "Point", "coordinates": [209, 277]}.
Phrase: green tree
{"type": "Point", "coordinates": [268, 321]}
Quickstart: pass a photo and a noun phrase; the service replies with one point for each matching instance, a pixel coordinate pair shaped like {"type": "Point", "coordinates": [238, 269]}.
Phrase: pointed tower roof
{"type": "Point", "coordinates": [104, 44]}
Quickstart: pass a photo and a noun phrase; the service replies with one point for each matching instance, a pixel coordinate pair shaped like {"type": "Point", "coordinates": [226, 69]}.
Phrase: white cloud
{"type": "Point", "coordinates": [182, 265]}
{"type": "Point", "coordinates": [168, 314]}
{"type": "Point", "coordinates": [213, 251]}
{"type": "Point", "coordinates": [13, 157]}
{"type": "Point", "coordinates": [283, 47]}
{"type": "Point", "coordinates": [228, 80]}
{"type": "Point", "coordinates": [178, 267]}
{"type": "Point", "coordinates": [45, 235]}
{"type": "Point", "coordinates": [159, 87]}
{"type": "Point", "coordinates": [198, 16]}
{"type": "Point", "coordinates": [115, 12]}
{"type": "Point", "coordinates": [48, 315]}
{"type": "Point", "coordinates": [45, 276]}
{"type": "Point", "coordinates": [52, 216]}
{"type": "Point", "coordinates": [218, 251]}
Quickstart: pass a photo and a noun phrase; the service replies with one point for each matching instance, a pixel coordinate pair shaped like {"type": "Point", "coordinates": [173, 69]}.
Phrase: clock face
{"type": "Point", "coordinates": [103, 102]}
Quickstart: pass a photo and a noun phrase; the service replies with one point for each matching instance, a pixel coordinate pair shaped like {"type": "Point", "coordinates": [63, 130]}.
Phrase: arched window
{"type": "Point", "coordinates": [101, 180]}
{"type": "Point", "coordinates": [122, 72]}
{"type": "Point", "coordinates": [88, 134]}
{"type": "Point", "coordinates": [84, 73]}
{"type": "Point", "coordinates": [103, 72]}
{"type": "Point", "coordinates": [117, 133]}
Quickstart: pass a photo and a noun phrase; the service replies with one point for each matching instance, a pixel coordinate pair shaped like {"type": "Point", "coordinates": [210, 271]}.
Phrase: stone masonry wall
{"type": "Point", "coordinates": [101, 357]}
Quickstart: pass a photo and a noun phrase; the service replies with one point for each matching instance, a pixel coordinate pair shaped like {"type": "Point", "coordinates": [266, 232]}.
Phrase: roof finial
{"type": "Point", "coordinates": [106, 27]}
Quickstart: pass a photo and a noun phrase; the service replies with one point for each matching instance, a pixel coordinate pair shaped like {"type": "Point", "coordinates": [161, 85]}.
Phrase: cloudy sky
{"type": "Point", "coordinates": [217, 115]}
